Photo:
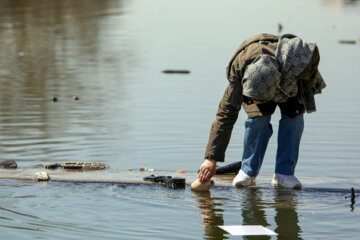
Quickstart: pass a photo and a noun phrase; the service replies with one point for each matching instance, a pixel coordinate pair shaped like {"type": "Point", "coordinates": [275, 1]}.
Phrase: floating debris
{"type": "Point", "coordinates": [84, 165]}
{"type": "Point", "coordinates": [42, 176]}
{"type": "Point", "coordinates": [168, 181]}
{"type": "Point", "coordinates": [76, 98]}
{"type": "Point", "coordinates": [142, 169]}
{"type": "Point", "coordinates": [176, 71]}
{"type": "Point", "coordinates": [175, 183]}
{"type": "Point", "coordinates": [352, 199]}
{"type": "Point", "coordinates": [347, 41]}
{"type": "Point", "coordinates": [181, 171]}
{"type": "Point", "coordinates": [54, 99]}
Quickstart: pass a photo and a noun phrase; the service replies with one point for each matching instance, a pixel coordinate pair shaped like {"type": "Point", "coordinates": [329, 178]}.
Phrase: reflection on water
{"type": "Point", "coordinates": [61, 49]}
{"type": "Point", "coordinates": [253, 210]}
{"type": "Point", "coordinates": [253, 205]}
{"type": "Point", "coordinates": [212, 211]}
{"type": "Point", "coordinates": [286, 217]}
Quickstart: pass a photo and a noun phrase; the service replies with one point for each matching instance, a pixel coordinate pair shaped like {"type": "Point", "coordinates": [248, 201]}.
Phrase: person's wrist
{"type": "Point", "coordinates": [211, 160]}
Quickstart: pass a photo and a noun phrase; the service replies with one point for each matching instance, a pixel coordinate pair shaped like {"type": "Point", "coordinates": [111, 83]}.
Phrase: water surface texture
{"type": "Point", "coordinates": [110, 55]}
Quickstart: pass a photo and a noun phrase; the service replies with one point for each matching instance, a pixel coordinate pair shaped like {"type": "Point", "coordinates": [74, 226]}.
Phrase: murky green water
{"type": "Point", "coordinates": [111, 54]}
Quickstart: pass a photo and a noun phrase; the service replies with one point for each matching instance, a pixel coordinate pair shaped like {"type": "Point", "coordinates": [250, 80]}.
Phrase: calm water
{"type": "Point", "coordinates": [110, 54]}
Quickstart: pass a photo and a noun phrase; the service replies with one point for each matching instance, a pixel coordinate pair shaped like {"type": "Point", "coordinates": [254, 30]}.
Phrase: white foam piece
{"type": "Point", "coordinates": [248, 230]}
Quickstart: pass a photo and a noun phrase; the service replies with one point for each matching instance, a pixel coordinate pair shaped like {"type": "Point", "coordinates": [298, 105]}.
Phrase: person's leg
{"type": "Point", "coordinates": [258, 131]}
{"type": "Point", "coordinates": [289, 136]}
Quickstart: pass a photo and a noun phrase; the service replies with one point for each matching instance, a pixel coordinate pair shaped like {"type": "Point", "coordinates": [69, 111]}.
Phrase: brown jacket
{"type": "Point", "coordinates": [232, 100]}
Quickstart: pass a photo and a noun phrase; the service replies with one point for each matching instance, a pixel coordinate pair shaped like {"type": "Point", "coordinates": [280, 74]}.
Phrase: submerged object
{"type": "Point", "coordinates": [201, 187]}
{"type": "Point", "coordinates": [176, 71]}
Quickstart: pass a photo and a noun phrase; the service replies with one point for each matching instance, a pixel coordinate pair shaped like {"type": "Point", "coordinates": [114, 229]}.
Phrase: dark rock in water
{"type": "Point", "coordinates": [84, 165]}
{"type": "Point", "coordinates": [76, 98]}
{"type": "Point", "coordinates": [176, 71]}
{"type": "Point", "coordinates": [8, 164]}
{"type": "Point", "coordinates": [52, 165]}
{"type": "Point", "coordinates": [54, 99]}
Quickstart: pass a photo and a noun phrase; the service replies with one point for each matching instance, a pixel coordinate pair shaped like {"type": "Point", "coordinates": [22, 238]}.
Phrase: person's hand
{"type": "Point", "coordinates": [207, 170]}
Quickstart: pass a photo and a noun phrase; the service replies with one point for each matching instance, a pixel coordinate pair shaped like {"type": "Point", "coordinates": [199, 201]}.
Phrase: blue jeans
{"type": "Point", "coordinates": [258, 131]}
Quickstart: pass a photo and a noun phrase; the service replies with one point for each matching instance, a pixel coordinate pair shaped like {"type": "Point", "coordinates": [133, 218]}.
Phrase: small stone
{"type": "Point", "coordinates": [42, 176]}
{"type": "Point", "coordinates": [142, 169]}
{"type": "Point", "coordinates": [76, 98]}
{"type": "Point", "coordinates": [8, 164]}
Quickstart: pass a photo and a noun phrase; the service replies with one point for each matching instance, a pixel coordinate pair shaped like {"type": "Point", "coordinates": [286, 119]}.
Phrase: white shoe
{"type": "Point", "coordinates": [243, 180]}
{"type": "Point", "coordinates": [288, 181]}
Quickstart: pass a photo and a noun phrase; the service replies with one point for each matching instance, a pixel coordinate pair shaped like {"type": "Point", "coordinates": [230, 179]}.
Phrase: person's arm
{"type": "Point", "coordinates": [220, 132]}
{"type": "Point", "coordinates": [221, 129]}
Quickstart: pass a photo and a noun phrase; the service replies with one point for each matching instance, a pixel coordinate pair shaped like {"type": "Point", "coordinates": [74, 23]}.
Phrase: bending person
{"type": "Point", "coordinates": [266, 71]}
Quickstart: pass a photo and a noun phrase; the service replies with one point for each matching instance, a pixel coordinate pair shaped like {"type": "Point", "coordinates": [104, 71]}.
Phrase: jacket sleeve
{"type": "Point", "coordinates": [221, 129]}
